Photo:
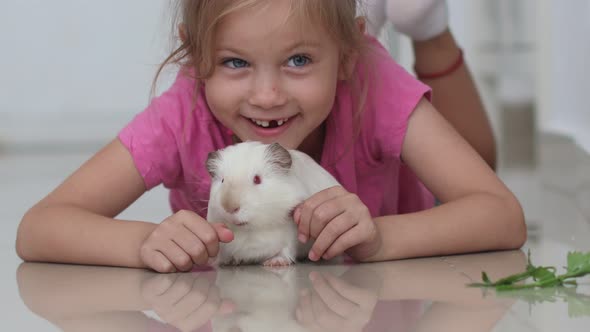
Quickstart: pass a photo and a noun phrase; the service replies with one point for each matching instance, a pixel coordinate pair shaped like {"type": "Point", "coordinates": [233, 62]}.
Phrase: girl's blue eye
{"type": "Point", "coordinates": [298, 61]}
{"type": "Point", "coordinates": [235, 63]}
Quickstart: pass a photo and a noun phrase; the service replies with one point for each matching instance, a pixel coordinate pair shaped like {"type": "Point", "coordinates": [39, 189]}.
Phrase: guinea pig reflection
{"type": "Point", "coordinates": [264, 299]}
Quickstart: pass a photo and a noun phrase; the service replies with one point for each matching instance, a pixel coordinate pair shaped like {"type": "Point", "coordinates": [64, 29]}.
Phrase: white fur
{"type": "Point", "coordinates": [265, 300]}
{"type": "Point", "coordinates": [270, 230]}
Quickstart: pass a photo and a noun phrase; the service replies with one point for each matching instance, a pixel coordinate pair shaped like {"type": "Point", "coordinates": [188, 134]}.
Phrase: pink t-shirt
{"type": "Point", "coordinates": [169, 141]}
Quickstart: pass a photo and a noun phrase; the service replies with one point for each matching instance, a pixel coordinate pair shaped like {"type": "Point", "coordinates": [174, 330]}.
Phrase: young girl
{"type": "Point", "coordinates": [302, 73]}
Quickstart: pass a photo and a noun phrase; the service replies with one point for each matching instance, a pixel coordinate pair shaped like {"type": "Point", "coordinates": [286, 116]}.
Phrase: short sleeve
{"type": "Point", "coordinates": [150, 138]}
{"type": "Point", "coordinates": [394, 95]}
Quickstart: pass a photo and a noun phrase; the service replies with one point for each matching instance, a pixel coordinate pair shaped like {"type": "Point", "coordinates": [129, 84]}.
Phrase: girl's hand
{"type": "Point", "coordinates": [181, 241]}
{"type": "Point", "coordinates": [339, 222]}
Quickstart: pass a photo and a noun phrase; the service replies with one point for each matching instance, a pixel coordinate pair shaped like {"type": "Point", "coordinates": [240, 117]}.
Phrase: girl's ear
{"type": "Point", "coordinates": [349, 59]}
{"type": "Point", "coordinates": [361, 24]}
{"type": "Point", "coordinates": [182, 32]}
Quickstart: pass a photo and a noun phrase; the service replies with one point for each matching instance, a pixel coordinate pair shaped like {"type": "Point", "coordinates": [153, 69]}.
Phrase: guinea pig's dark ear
{"type": "Point", "coordinates": [211, 163]}
{"type": "Point", "coordinates": [278, 156]}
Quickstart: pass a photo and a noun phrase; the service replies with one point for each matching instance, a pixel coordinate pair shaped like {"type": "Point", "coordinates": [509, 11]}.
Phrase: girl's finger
{"type": "Point", "coordinates": [180, 259]}
{"type": "Point", "coordinates": [338, 227]}
{"type": "Point", "coordinates": [306, 211]}
{"type": "Point", "coordinates": [224, 234]}
{"type": "Point", "coordinates": [324, 214]}
{"type": "Point", "coordinates": [193, 246]}
{"type": "Point", "coordinates": [297, 214]}
{"type": "Point", "coordinates": [347, 240]}
{"type": "Point", "coordinates": [352, 238]}
{"type": "Point", "coordinates": [334, 300]}
{"type": "Point", "coordinates": [309, 205]}
{"type": "Point", "coordinates": [202, 229]}
{"type": "Point", "coordinates": [206, 233]}
{"type": "Point", "coordinates": [158, 261]}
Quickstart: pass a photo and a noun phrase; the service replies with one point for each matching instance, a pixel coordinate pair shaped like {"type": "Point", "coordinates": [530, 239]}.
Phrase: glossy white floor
{"type": "Point", "coordinates": [412, 295]}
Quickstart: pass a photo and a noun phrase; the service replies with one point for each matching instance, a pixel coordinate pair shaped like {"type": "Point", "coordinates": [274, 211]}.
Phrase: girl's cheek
{"type": "Point", "coordinates": [221, 95]}
{"type": "Point", "coordinates": [318, 94]}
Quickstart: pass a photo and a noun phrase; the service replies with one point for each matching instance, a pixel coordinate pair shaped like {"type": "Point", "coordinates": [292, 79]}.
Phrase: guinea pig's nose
{"type": "Point", "coordinates": [230, 202]}
{"type": "Point", "coordinates": [231, 207]}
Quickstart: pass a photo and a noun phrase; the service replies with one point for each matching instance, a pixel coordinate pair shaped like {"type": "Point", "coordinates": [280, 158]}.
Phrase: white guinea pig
{"type": "Point", "coordinates": [254, 190]}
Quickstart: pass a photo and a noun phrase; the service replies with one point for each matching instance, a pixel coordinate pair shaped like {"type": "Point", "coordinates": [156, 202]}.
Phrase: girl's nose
{"type": "Point", "coordinates": [267, 93]}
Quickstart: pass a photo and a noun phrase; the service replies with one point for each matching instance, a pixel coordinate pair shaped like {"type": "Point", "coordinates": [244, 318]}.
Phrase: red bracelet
{"type": "Point", "coordinates": [442, 73]}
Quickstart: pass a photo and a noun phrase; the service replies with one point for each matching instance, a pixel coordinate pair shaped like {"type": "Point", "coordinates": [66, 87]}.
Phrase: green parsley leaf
{"type": "Point", "coordinates": [578, 265]}
{"type": "Point", "coordinates": [542, 284]}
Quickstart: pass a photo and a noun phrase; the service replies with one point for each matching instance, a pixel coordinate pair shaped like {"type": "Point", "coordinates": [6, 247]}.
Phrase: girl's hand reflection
{"type": "Point", "coordinates": [186, 301]}
{"type": "Point", "coordinates": [333, 304]}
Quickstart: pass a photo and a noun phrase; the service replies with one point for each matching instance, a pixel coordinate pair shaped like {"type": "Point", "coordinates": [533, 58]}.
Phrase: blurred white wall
{"type": "Point", "coordinates": [564, 68]}
{"type": "Point", "coordinates": [76, 69]}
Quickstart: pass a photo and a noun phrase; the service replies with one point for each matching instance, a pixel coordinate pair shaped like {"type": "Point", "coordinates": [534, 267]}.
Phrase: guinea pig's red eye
{"type": "Point", "coordinates": [257, 179]}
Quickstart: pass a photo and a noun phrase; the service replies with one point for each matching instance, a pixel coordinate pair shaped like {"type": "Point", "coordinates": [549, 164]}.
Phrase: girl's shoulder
{"type": "Point", "coordinates": [392, 94]}
{"type": "Point", "coordinates": [389, 83]}
{"type": "Point", "coordinates": [173, 133]}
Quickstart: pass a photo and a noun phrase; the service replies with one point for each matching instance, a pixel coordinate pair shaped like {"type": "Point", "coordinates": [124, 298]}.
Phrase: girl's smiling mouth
{"type": "Point", "coordinates": [269, 123]}
{"type": "Point", "coordinates": [270, 128]}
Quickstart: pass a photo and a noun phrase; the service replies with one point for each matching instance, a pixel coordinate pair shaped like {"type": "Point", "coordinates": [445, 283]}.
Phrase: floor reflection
{"type": "Point", "coordinates": [412, 295]}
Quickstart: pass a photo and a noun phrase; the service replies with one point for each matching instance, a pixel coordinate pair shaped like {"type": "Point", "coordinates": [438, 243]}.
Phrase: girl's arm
{"type": "Point", "coordinates": [455, 95]}
{"type": "Point", "coordinates": [90, 289]}
{"type": "Point", "coordinates": [75, 223]}
{"type": "Point", "coordinates": [478, 213]}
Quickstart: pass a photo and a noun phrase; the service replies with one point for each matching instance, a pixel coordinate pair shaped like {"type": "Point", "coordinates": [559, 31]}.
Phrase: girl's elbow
{"type": "Point", "coordinates": [21, 249]}
{"type": "Point", "coordinates": [490, 156]}
{"type": "Point", "coordinates": [22, 244]}
{"type": "Point", "coordinates": [517, 227]}
{"type": "Point", "coordinates": [23, 253]}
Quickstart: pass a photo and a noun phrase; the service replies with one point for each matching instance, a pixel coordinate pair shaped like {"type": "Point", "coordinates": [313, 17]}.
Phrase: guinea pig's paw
{"type": "Point", "coordinates": [279, 260]}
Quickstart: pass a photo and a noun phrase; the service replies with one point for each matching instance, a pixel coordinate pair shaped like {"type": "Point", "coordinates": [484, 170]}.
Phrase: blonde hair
{"type": "Point", "coordinates": [200, 19]}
